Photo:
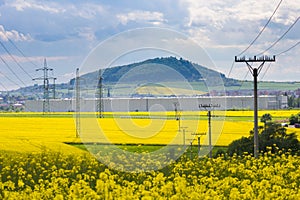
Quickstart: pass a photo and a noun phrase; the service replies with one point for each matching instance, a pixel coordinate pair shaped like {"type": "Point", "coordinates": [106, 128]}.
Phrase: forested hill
{"type": "Point", "coordinates": [155, 68]}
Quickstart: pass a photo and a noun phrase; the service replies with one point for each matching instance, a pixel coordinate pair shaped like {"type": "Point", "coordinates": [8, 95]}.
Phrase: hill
{"type": "Point", "coordinates": [159, 74]}
{"type": "Point", "coordinates": [156, 69]}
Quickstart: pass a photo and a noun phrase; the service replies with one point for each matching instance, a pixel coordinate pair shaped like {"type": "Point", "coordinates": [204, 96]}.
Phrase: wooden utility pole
{"type": "Point", "coordinates": [183, 135]}
{"type": "Point", "coordinates": [255, 72]}
{"type": "Point", "coordinates": [198, 135]}
{"type": "Point", "coordinates": [208, 107]}
{"type": "Point", "coordinates": [177, 114]}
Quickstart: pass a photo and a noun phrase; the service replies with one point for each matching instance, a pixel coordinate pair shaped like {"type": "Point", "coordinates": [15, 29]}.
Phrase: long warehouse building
{"type": "Point", "coordinates": [159, 103]}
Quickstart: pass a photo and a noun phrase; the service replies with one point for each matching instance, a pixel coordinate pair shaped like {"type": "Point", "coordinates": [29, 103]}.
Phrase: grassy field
{"type": "Point", "coordinates": [27, 132]}
{"type": "Point", "coordinates": [186, 88]}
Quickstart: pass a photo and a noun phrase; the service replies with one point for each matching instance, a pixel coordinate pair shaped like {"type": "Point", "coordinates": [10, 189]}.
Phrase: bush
{"type": "Point", "coordinates": [273, 137]}
{"type": "Point", "coordinates": [294, 119]}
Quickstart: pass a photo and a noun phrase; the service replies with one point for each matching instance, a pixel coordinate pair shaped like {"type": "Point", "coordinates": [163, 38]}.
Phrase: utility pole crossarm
{"type": "Point", "coordinates": [255, 59]}
{"type": "Point", "coordinates": [198, 134]}
{"type": "Point", "coordinates": [207, 106]}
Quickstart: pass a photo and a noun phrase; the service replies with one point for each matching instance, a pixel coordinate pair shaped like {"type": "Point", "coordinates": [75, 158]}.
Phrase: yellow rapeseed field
{"type": "Point", "coordinates": [45, 168]}
{"type": "Point", "coordinates": [35, 133]}
{"type": "Point", "coordinates": [26, 134]}
{"type": "Point", "coordinates": [52, 175]}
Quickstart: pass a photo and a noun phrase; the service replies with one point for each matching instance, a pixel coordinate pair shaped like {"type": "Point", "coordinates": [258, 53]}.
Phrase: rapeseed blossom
{"type": "Point", "coordinates": [49, 175]}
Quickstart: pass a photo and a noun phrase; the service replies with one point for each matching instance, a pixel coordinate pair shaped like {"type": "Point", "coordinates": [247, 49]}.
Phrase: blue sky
{"type": "Point", "coordinates": [66, 31]}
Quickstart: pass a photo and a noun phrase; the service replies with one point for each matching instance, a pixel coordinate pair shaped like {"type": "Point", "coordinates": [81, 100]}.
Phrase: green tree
{"type": "Point", "coordinates": [294, 119]}
{"type": "Point", "coordinates": [273, 138]}
{"type": "Point", "coordinates": [276, 134]}
{"type": "Point", "coordinates": [239, 147]}
{"type": "Point", "coordinates": [291, 101]}
{"type": "Point", "coordinates": [265, 118]}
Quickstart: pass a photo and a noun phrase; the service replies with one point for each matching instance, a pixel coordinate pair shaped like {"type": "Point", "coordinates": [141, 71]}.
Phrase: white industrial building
{"type": "Point", "coordinates": [160, 103]}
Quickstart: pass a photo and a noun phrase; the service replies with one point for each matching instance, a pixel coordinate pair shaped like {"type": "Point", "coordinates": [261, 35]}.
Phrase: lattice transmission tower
{"type": "Point", "coordinates": [99, 96]}
{"type": "Point", "coordinates": [46, 78]}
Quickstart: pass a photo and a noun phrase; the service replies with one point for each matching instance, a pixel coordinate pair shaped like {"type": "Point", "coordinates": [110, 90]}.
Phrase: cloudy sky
{"type": "Point", "coordinates": [66, 31]}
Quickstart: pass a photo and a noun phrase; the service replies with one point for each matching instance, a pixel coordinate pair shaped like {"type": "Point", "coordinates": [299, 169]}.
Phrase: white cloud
{"type": "Point", "coordinates": [223, 28]}
{"type": "Point", "coordinates": [21, 5]}
{"type": "Point", "coordinates": [83, 10]}
{"type": "Point", "coordinates": [218, 22]}
{"type": "Point", "coordinates": [87, 11]}
{"type": "Point", "coordinates": [87, 33]}
{"type": "Point", "coordinates": [13, 35]}
{"type": "Point", "coordinates": [38, 60]}
{"type": "Point", "coordinates": [216, 12]}
{"type": "Point", "coordinates": [205, 13]}
{"type": "Point", "coordinates": [155, 18]}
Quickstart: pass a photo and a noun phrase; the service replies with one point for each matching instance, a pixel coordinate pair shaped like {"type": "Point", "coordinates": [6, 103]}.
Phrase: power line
{"type": "Point", "coordinates": [243, 81]}
{"type": "Point", "coordinates": [21, 52]}
{"type": "Point", "coordinates": [278, 54]}
{"type": "Point", "coordinates": [15, 60]}
{"type": "Point", "coordinates": [268, 67]}
{"type": "Point", "coordinates": [230, 69]}
{"type": "Point", "coordinates": [4, 87]}
{"type": "Point", "coordinates": [261, 29]}
{"type": "Point", "coordinates": [9, 79]}
{"type": "Point", "coordinates": [280, 37]}
{"type": "Point", "coordinates": [12, 71]}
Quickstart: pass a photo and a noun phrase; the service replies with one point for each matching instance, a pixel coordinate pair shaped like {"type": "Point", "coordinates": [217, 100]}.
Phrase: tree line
{"type": "Point", "coordinates": [293, 102]}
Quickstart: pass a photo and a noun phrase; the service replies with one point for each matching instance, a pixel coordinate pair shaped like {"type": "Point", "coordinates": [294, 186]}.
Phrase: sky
{"type": "Point", "coordinates": [67, 32]}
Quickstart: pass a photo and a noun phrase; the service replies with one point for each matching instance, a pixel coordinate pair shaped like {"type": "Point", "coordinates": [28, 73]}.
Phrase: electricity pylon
{"type": "Point", "coordinates": [99, 97]}
{"type": "Point", "coordinates": [77, 102]}
{"type": "Point", "coordinates": [45, 78]}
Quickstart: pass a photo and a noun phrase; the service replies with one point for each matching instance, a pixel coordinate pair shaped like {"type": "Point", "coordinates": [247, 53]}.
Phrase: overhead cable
{"type": "Point", "coordinates": [9, 79]}
{"type": "Point", "coordinates": [10, 69]}
{"type": "Point", "coordinates": [15, 60]}
{"type": "Point", "coordinates": [21, 52]}
{"type": "Point", "coordinates": [280, 38]}
{"type": "Point", "coordinates": [282, 52]}
{"type": "Point", "coordinates": [261, 29]}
